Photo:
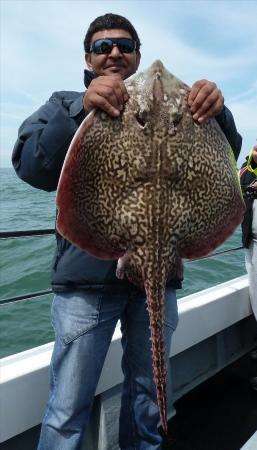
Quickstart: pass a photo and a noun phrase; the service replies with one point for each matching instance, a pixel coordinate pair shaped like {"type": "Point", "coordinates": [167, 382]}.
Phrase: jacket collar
{"type": "Point", "coordinates": [88, 77]}
{"type": "Point", "coordinates": [76, 106]}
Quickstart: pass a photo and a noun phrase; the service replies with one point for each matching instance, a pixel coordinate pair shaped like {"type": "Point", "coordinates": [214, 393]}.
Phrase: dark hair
{"type": "Point", "coordinates": [108, 22]}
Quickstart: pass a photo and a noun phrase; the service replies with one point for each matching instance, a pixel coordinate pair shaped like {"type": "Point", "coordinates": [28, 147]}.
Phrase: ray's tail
{"type": "Point", "coordinates": [155, 293]}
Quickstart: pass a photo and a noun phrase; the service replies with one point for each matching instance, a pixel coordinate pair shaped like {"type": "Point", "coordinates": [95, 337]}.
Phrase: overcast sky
{"type": "Point", "coordinates": [42, 52]}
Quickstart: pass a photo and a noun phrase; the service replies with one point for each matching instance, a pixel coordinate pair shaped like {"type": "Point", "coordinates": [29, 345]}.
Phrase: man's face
{"type": "Point", "coordinates": [116, 62]}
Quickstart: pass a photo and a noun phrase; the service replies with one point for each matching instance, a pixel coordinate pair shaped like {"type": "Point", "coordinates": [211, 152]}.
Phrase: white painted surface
{"type": "Point", "coordinates": [251, 444]}
{"type": "Point", "coordinates": [207, 312]}
{"type": "Point", "coordinates": [24, 376]}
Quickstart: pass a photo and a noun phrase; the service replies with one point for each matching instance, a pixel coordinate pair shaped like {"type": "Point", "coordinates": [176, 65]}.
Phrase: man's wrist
{"type": "Point", "coordinates": [86, 109]}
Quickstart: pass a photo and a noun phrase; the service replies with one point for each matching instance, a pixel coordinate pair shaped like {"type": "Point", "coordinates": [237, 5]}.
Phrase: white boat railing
{"type": "Point", "coordinates": [24, 376]}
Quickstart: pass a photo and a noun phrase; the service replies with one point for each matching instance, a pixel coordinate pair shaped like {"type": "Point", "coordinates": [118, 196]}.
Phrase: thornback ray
{"type": "Point", "coordinates": [149, 188]}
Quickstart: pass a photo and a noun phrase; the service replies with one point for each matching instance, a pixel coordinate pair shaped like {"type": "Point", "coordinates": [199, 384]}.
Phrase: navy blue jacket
{"type": "Point", "coordinates": [38, 156]}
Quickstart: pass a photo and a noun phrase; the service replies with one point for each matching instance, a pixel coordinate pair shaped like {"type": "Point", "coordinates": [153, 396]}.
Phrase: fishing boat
{"type": "Point", "coordinates": [216, 330]}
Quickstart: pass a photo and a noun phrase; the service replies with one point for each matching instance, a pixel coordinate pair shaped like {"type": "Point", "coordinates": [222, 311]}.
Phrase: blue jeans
{"type": "Point", "coordinates": [84, 322]}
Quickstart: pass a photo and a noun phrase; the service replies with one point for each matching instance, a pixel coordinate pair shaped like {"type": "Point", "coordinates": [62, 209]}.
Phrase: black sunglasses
{"type": "Point", "coordinates": [105, 46]}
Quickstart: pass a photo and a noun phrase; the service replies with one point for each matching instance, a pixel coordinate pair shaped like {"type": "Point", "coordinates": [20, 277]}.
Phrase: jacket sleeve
{"type": "Point", "coordinates": [43, 140]}
{"type": "Point", "coordinates": [228, 126]}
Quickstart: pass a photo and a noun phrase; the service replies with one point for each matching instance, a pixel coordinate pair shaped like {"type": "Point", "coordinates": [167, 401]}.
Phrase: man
{"type": "Point", "coordinates": [248, 178]}
{"type": "Point", "coordinates": [89, 299]}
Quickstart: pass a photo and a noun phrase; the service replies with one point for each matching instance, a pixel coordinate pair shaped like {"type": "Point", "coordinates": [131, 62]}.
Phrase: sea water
{"type": "Point", "coordinates": [26, 265]}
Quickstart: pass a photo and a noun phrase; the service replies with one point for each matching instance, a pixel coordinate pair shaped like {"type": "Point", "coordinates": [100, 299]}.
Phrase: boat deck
{"type": "Point", "coordinates": [220, 414]}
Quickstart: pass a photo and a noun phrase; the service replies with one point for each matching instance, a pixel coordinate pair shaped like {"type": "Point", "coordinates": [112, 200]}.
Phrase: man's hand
{"type": "Point", "coordinates": [107, 93]}
{"type": "Point", "coordinates": [205, 100]}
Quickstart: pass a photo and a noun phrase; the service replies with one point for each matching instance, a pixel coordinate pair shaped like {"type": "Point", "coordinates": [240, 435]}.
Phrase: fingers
{"type": "Point", "coordinates": [205, 100]}
{"type": "Point", "coordinates": [107, 93]}
{"type": "Point", "coordinates": [98, 101]}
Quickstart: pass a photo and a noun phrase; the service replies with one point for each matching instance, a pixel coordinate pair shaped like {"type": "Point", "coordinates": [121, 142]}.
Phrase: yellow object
{"type": "Point", "coordinates": [249, 164]}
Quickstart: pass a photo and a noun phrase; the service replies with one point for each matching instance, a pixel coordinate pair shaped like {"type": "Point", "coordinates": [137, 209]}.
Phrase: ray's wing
{"type": "Point", "coordinates": [73, 195]}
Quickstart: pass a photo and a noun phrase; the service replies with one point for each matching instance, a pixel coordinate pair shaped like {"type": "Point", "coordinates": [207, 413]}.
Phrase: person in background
{"type": "Point", "coordinates": [248, 179]}
{"type": "Point", "coordinates": [89, 299]}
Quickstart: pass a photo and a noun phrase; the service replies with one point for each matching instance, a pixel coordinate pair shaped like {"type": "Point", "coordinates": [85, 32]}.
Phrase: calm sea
{"type": "Point", "coordinates": [26, 264]}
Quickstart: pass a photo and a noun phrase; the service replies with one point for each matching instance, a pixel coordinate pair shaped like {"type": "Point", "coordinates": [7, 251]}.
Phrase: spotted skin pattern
{"type": "Point", "coordinates": [149, 188]}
